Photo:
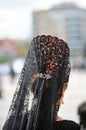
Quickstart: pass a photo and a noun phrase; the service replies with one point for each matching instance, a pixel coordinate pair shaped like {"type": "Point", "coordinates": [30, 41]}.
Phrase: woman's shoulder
{"type": "Point", "coordinates": [67, 125]}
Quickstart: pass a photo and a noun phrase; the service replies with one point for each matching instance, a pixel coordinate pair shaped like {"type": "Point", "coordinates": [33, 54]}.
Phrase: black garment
{"type": "Point", "coordinates": [66, 125]}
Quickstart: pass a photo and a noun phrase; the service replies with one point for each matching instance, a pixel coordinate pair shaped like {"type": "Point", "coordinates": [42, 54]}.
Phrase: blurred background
{"type": "Point", "coordinates": [20, 21]}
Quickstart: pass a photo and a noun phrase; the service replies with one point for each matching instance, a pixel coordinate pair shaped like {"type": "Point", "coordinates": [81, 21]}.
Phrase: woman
{"type": "Point", "coordinates": [41, 88]}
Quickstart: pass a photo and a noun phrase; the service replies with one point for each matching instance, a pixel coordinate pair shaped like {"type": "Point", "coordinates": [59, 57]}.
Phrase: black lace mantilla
{"type": "Point", "coordinates": [50, 56]}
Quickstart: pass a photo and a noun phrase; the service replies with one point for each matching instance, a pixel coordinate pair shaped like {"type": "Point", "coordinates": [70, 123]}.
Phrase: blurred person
{"type": "Point", "coordinates": [12, 72]}
{"type": "Point", "coordinates": [43, 81]}
{"type": "Point", "coordinates": [82, 115]}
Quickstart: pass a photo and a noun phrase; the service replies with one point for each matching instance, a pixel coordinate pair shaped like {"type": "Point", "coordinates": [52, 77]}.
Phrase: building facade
{"type": "Point", "coordinates": [67, 21]}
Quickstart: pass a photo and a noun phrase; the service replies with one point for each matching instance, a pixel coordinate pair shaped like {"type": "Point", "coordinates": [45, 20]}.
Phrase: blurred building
{"type": "Point", "coordinates": [67, 21]}
{"type": "Point", "coordinates": [21, 48]}
{"type": "Point", "coordinates": [12, 49]}
{"type": "Point", "coordinates": [7, 47]}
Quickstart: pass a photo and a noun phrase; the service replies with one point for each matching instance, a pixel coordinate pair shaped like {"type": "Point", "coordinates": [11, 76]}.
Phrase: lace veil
{"type": "Point", "coordinates": [45, 71]}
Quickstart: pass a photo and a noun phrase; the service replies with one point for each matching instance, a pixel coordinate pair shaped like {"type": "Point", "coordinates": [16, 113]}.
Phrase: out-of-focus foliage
{"type": "Point", "coordinates": [3, 59]}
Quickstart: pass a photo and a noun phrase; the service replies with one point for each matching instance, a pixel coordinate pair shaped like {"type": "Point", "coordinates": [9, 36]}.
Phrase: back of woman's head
{"type": "Point", "coordinates": [52, 55]}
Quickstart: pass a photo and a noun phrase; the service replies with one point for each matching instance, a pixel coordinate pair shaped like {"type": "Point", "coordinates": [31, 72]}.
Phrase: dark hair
{"type": "Point", "coordinates": [82, 114]}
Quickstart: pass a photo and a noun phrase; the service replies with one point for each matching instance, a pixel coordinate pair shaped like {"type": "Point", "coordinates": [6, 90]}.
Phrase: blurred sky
{"type": "Point", "coordinates": [15, 15]}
